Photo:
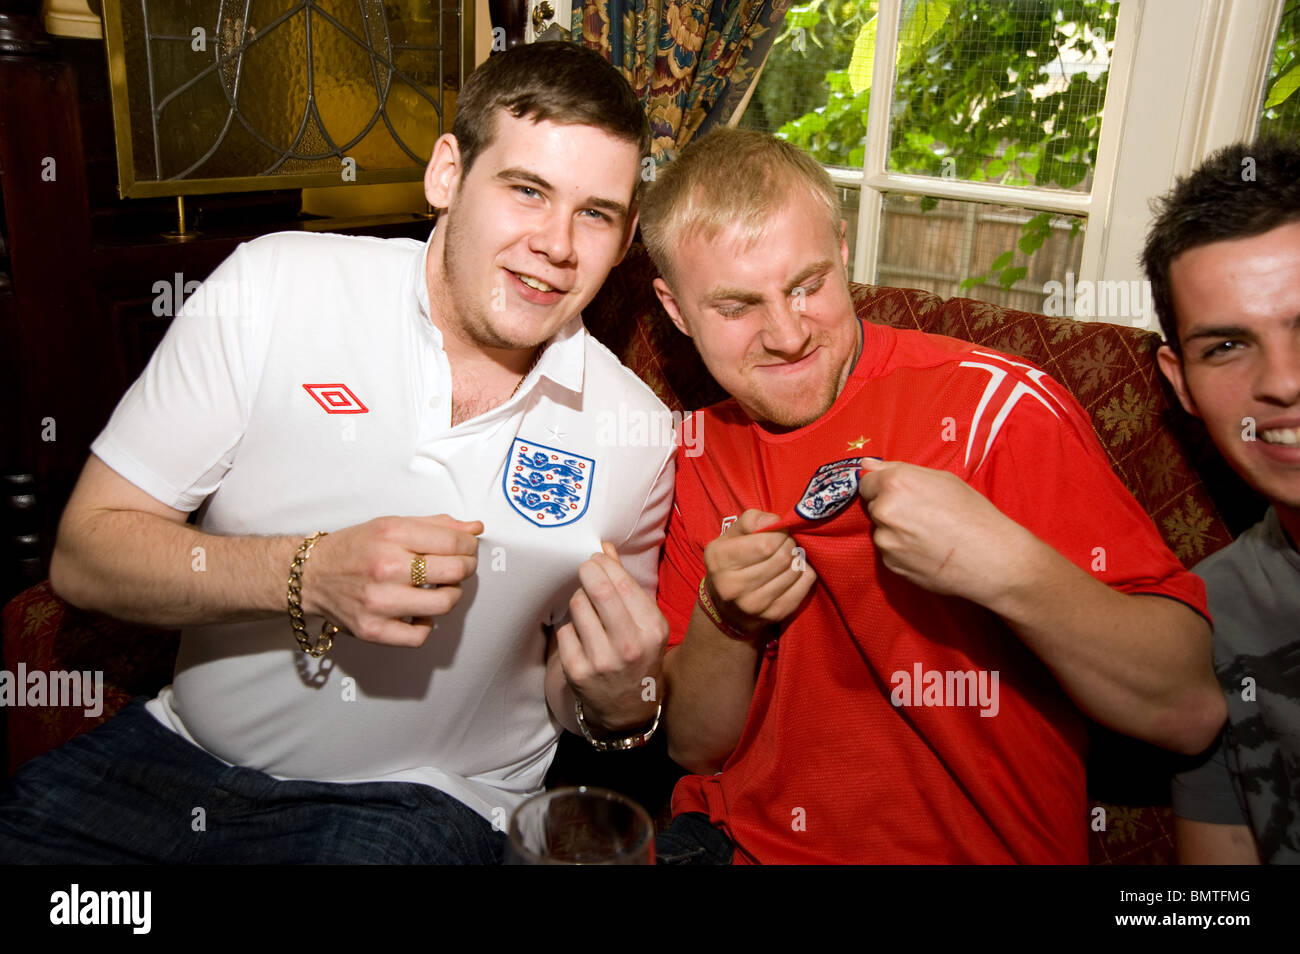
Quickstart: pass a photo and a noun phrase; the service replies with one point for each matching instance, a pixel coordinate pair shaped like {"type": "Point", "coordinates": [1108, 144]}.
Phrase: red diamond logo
{"type": "Point", "coordinates": [336, 398]}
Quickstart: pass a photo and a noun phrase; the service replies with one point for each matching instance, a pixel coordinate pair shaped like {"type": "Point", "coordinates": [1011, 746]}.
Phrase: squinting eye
{"type": "Point", "coordinates": [596, 215]}
{"type": "Point", "coordinates": [1222, 348]}
{"type": "Point", "coordinates": [730, 311]}
{"type": "Point", "coordinates": [527, 191]}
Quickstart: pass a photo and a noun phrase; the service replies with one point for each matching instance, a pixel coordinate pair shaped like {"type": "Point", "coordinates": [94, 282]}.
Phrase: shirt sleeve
{"type": "Point", "coordinates": [639, 551]}
{"type": "Point", "coordinates": [682, 566]}
{"type": "Point", "coordinates": [1047, 471]}
{"type": "Point", "coordinates": [175, 431]}
{"type": "Point", "coordinates": [1205, 792]}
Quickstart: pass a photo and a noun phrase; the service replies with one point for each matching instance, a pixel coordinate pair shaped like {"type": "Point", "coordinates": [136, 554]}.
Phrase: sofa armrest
{"type": "Point", "coordinates": [43, 634]}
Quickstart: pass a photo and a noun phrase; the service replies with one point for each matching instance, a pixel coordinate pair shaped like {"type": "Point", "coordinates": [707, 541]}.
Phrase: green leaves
{"type": "Point", "coordinates": [1010, 276]}
{"type": "Point", "coordinates": [1034, 232]}
{"type": "Point", "coordinates": [1005, 273]}
{"type": "Point", "coordinates": [1281, 113]}
{"type": "Point", "coordinates": [807, 73]}
{"type": "Point", "coordinates": [801, 16]}
{"type": "Point", "coordinates": [921, 19]}
{"type": "Point", "coordinates": [1032, 236]}
{"type": "Point", "coordinates": [864, 57]}
{"type": "Point", "coordinates": [1005, 91]}
{"type": "Point", "coordinates": [1283, 87]}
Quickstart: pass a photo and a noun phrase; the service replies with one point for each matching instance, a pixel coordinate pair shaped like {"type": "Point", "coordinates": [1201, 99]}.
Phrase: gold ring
{"type": "Point", "coordinates": [417, 571]}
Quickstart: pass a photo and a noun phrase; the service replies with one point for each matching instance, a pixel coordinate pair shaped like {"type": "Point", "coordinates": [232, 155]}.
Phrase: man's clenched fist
{"type": "Point", "coordinates": [753, 578]}
{"type": "Point", "coordinates": [360, 577]}
{"type": "Point", "coordinates": [937, 531]}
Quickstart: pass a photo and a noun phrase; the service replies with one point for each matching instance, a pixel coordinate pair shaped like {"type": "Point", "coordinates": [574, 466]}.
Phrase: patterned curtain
{"type": "Point", "coordinates": [689, 62]}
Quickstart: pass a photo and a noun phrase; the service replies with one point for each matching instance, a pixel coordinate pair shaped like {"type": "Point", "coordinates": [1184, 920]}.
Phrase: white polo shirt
{"type": "Point", "coordinates": [304, 388]}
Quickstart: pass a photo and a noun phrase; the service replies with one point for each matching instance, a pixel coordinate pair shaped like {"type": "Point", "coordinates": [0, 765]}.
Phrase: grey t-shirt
{"type": "Point", "coordinates": [1252, 776]}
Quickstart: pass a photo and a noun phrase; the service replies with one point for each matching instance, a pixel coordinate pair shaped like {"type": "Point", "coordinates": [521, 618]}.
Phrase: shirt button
{"type": "Point", "coordinates": [433, 402]}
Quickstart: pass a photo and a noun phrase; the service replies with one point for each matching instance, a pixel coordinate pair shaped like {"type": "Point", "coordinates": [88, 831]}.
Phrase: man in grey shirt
{"type": "Point", "coordinates": [1224, 261]}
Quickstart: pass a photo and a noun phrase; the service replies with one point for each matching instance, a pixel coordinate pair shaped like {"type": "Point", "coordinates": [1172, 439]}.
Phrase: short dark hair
{"type": "Point", "coordinates": [1240, 191]}
{"type": "Point", "coordinates": [553, 80]}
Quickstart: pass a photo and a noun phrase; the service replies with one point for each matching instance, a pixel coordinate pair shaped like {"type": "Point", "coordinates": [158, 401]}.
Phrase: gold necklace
{"type": "Point", "coordinates": [532, 364]}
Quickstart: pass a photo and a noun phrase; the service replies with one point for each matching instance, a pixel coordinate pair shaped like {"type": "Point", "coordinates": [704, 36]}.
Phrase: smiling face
{"type": "Point", "coordinates": [530, 232]}
{"type": "Point", "coordinates": [1238, 309]}
{"type": "Point", "coordinates": [773, 323]}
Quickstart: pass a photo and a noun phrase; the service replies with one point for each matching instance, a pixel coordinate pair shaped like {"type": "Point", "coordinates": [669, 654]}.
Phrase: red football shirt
{"type": "Point", "coordinates": [890, 724]}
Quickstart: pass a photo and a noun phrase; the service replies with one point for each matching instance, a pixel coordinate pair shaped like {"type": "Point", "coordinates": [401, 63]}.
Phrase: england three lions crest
{"type": "Point", "coordinates": [547, 486]}
{"type": "Point", "coordinates": [830, 489]}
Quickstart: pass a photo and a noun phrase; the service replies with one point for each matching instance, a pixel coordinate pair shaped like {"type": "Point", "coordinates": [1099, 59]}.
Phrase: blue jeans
{"type": "Point", "coordinates": [691, 839]}
{"type": "Point", "coordinates": [133, 791]}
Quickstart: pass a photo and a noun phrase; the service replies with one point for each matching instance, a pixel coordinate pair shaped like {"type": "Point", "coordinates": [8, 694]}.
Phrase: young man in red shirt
{"type": "Point", "coordinates": [888, 616]}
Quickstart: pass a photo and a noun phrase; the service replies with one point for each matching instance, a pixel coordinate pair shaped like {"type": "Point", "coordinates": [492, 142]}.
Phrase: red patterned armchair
{"type": "Point", "coordinates": [1160, 454]}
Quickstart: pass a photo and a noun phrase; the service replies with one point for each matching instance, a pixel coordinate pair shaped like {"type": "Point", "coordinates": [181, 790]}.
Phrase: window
{"type": "Point", "coordinates": [1280, 113]}
{"type": "Point", "coordinates": [974, 150]}
{"type": "Point", "coordinates": [994, 115]}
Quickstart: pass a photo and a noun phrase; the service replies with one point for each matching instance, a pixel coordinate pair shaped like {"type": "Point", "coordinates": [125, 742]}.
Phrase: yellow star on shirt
{"type": "Point", "coordinates": [859, 443]}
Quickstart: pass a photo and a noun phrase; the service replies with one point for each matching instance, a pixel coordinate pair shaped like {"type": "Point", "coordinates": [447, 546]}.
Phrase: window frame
{"type": "Point", "coordinates": [1221, 51]}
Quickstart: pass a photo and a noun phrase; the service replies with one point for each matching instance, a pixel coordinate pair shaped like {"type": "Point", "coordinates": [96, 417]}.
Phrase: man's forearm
{"type": "Point", "coordinates": [148, 569]}
{"type": "Point", "coordinates": [1139, 664]}
{"type": "Point", "coordinates": [710, 681]}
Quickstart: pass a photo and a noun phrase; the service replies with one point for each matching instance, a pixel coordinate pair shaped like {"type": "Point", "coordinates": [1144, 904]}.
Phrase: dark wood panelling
{"type": "Point", "coordinates": [76, 288]}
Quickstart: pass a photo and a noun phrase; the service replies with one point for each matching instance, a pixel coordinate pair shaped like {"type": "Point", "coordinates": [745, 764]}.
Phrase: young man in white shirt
{"type": "Point", "coordinates": [434, 408]}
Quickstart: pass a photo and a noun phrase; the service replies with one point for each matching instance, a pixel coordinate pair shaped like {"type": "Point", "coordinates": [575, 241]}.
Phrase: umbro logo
{"type": "Point", "coordinates": [336, 398]}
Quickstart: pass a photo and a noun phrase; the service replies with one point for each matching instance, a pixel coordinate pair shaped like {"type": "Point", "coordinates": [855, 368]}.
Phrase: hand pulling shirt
{"type": "Point", "coordinates": [891, 724]}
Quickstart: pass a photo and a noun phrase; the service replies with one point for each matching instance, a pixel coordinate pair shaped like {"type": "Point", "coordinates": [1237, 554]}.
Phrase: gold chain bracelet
{"type": "Point", "coordinates": [296, 619]}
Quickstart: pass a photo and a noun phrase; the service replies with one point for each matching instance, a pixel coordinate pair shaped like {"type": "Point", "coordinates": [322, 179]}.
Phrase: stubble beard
{"type": "Point", "coordinates": [785, 417]}
{"type": "Point", "coordinates": [468, 318]}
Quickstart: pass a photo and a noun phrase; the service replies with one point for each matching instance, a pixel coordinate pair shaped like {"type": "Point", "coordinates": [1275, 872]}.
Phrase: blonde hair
{"type": "Point", "coordinates": [729, 178]}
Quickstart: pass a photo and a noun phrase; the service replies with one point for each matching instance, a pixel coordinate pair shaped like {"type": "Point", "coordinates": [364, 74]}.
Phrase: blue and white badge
{"type": "Point", "coordinates": [830, 489]}
{"type": "Point", "coordinates": [547, 486]}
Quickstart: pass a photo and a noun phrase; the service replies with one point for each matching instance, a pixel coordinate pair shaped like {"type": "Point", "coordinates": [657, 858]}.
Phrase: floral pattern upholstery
{"type": "Point", "coordinates": [44, 633]}
{"type": "Point", "coordinates": [1158, 452]}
